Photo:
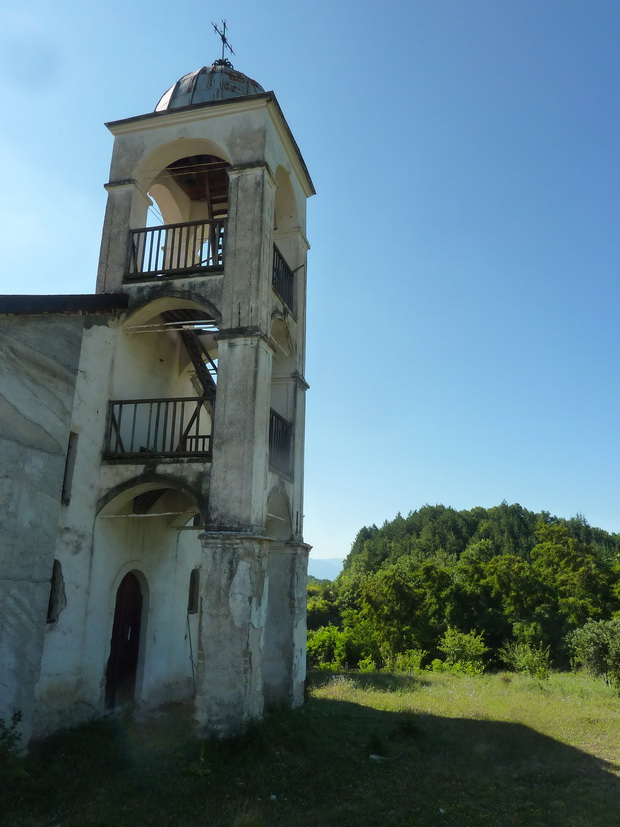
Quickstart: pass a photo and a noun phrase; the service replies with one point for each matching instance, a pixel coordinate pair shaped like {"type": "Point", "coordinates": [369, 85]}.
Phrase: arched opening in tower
{"type": "Point", "coordinates": [167, 411]}
{"type": "Point", "coordinates": [187, 222]}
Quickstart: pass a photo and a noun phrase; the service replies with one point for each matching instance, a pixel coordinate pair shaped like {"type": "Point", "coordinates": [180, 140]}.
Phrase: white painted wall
{"type": "Point", "coordinates": [97, 550]}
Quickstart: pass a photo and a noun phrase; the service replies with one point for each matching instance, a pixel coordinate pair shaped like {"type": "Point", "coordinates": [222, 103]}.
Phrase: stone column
{"type": "Point", "coordinates": [285, 636]}
{"type": "Point", "coordinates": [249, 249]}
{"type": "Point", "coordinates": [229, 686]}
{"type": "Point", "coordinates": [126, 209]}
{"type": "Point", "coordinates": [241, 432]}
{"type": "Point", "coordinates": [241, 422]}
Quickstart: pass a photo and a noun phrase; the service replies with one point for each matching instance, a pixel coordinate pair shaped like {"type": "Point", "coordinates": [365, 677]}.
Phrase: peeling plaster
{"type": "Point", "coordinates": [239, 594]}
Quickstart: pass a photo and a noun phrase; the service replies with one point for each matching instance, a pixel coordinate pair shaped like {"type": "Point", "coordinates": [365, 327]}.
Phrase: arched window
{"type": "Point", "coordinates": [282, 399]}
{"type": "Point", "coordinates": [57, 600]}
{"type": "Point", "coordinates": [194, 592]}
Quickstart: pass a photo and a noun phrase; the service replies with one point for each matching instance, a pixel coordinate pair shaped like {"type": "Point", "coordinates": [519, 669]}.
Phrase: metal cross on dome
{"type": "Point", "coordinates": [225, 43]}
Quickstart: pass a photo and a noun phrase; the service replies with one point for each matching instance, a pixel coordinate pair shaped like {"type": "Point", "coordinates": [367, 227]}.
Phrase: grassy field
{"type": "Point", "coordinates": [434, 749]}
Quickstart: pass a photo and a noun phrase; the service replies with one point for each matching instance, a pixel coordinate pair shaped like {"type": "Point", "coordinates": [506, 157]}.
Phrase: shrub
{"type": "Point", "coordinates": [596, 647]}
{"type": "Point", "coordinates": [321, 607]}
{"type": "Point", "coordinates": [463, 650]}
{"type": "Point", "coordinates": [354, 647]}
{"type": "Point", "coordinates": [321, 646]}
{"type": "Point", "coordinates": [347, 648]}
{"type": "Point", "coordinates": [332, 648]}
{"type": "Point", "coordinates": [326, 667]}
{"type": "Point", "coordinates": [366, 665]}
{"type": "Point", "coordinates": [408, 661]}
{"type": "Point", "coordinates": [527, 658]}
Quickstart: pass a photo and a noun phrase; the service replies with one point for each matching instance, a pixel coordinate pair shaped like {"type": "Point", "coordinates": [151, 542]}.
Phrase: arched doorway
{"type": "Point", "coordinates": [122, 668]}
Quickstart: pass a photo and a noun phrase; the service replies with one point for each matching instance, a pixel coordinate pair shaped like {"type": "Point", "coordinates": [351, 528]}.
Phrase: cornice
{"type": "Point", "coordinates": [189, 114]}
{"type": "Point", "coordinates": [240, 333]}
{"type": "Point", "coordinates": [300, 381]}
{"type": "Point", "coordinates": [214, 109]}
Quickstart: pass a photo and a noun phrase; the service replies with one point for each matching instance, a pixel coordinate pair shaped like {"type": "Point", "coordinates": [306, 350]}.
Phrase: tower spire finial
{"type": "Point", "coordinates": [223, 61]}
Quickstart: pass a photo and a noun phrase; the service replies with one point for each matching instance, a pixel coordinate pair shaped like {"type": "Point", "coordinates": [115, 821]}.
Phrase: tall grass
{"type": "Point", "coordinates": [366, 749]}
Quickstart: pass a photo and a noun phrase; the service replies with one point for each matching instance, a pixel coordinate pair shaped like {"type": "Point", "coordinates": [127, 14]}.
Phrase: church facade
{"type": "Point", "coordinates": [152, 433]}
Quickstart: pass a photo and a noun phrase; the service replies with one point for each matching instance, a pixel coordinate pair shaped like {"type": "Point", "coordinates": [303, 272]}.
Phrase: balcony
{"type": "Point", "coordinates": [175, 249]}
{"type": "Point", "coordinates": [280, 443]}
{"type": "Point", "coordinates": [143, 428]}
{"type": "Point", "coordinates": [283, 279]}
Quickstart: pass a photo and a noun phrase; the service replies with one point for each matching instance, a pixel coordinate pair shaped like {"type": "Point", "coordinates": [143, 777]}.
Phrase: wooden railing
{"type": "Point", "coordinates": [283, 279]}
{"type": "Point", "coordinates": [280, 443]}
{"type": "Point", "coordinates": [141, 428]}
{"type": "Point", "coordinates": [174, 249]}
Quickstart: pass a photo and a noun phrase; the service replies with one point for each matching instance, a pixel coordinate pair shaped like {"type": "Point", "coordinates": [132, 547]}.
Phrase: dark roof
{"type": "Point", "coordinates": [71, 303]}
{"type": "Point", "coordinates": [211, 83]}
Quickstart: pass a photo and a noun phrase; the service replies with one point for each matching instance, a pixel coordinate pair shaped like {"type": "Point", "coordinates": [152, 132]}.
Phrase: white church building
{"type": "Point", "coordinates": [152, 433]}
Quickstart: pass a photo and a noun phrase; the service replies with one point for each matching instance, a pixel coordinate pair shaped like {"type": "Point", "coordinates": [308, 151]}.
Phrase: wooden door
{"type": "Point", "coordinates": [122, 665]}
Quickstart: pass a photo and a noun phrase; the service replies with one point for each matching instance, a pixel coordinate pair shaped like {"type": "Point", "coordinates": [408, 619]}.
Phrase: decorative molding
{"type": "Point", "coordinates": [300, 381]}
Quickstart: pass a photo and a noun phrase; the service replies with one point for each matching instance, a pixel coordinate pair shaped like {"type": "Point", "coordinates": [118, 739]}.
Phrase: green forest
{"type": "Point", "coordinates": [472, 590]}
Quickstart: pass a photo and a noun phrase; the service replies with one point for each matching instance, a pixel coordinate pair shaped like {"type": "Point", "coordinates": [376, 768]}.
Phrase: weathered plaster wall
{"type": "Point", "coordinates": [285, 629]}
{"type": "Point", "coordinates": [72, 685]}
{"type": "Point", "coordinates": [239, 469]}
{"type": "Point", "coordinates": [59, 698]}
{"type": "Point", "coordinates": [232, 632]}
{"type": "Point", "coordinates": [38, 370]}
{"type": "Point", "coordinates": [97, 548]}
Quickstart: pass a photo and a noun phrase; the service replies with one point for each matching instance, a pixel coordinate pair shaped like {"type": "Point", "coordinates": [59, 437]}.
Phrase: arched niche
{"type": "Point", "coordinates": [176, 505]}
{"type": "Point", "coordinates": [289, 243]}
{"type": "Point", "coordinates": [192, 188]}
{"type": "Point", "coordinates": [188, 181]}
{"type": "Point", "coordinates": [284, 357]}
{"type": "Point", "coordinates": [283, 367]}
{"type": "Point", "coordinates": [153, 163]}
{"type": "Point", "coordinates": [151, 309]}
{"type": "Point", "coordinates": [168, 349]}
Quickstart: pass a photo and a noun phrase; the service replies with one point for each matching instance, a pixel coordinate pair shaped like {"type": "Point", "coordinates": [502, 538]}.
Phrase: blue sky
{"type": "Point", "coordinates": [463, 337]}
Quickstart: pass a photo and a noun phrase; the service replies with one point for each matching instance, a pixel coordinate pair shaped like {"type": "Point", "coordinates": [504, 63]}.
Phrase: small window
{"type": "Point", "coordinates": [194, 591]}
{"type": "Point", "coordinates": [57, 601]}
{"type": "Point", "coordinates": [69, 468]}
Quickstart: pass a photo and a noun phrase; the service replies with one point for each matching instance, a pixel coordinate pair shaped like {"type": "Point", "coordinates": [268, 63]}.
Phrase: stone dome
{"type": "Point", "coordinates": [211, 83]}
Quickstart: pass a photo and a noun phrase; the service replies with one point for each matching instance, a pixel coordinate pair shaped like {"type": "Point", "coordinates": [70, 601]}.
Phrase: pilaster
{"type": "Point", "coordinates": [241, 431]}
{"type": "Point", "coordinates": [249, 248]}
{"type": "Point", "coordinates": [229, 686]}
{"type": "Point", "coordinates": [126, 208]}
{"type": "Point", "coordinates": [285, 635]}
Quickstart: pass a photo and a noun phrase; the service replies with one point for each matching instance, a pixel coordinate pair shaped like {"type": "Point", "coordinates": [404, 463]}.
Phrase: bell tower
{"type": "Point", "coordinates": [205, 232]}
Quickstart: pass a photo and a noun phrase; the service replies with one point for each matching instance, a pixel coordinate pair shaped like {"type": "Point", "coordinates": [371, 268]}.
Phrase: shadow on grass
{"type": "Point", "coordinates": [333, 762]}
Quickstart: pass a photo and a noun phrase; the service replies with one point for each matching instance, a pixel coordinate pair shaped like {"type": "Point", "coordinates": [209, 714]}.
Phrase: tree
{"type": "Point", "coordinates": [521, 577]}
{"type": "Point", "coordinates": [596, 646]}
{"type": "Point", "coordinates": [405, 606]}
{"type": "Point", "coordinates": [570, 570]}
{"type": "Point", "coordinates": [322, 609]}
